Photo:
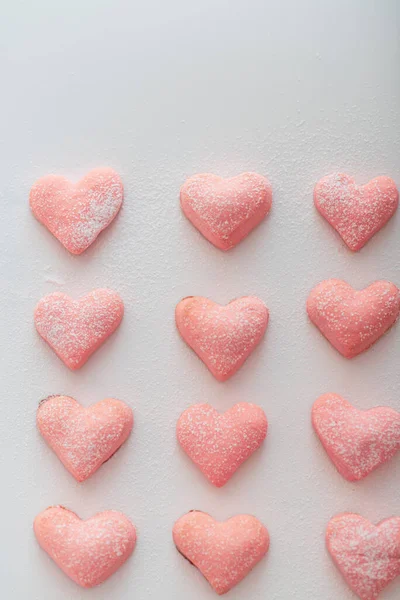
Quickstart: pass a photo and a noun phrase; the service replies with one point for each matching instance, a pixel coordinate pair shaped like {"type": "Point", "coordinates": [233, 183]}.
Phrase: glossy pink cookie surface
{"type": "Point", "coordinates": [84, 438]}
{"type": "Point", "coordinates": [356, 441]}
{"type": "Point", "coordinates": [219, 443]}
{"type": "Point", "coordinates": [76, 213]}
{"type": "Point", "coordinates": [356, 212]}
{"type": "Point", "coordinates": [226, 210]}
{"type": "Point", "coordinates": [90, 551]}
{"type": "Point", "coordinates": [353, 320]}
{"type": "Point", "coordinates": [222, 336]}
{"type": "Point", "coordinates": [224, 552]}
{"type": "Point", "coordinates": [76, 328]}
{"type": "Point", "coordinates": [368, 556]}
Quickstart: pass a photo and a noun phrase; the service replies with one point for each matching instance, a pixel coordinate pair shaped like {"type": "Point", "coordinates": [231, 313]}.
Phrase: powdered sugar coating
{"type": "Point", "coordinates": [368, 556]}
{"type": "Point", "coordinates": [356, 441]}
{"type": "Point", "coordinates": [219, 443]}
{"type": "Point", "coordinates": [77, 213]}
{"type": "Point", "coordinates": [222, 336]}
{"type": "Point", "coordinates": [84, 438]}
{"type": "Point", "coordinates": [224, 552]}
{"type": "Point", "coordinates": [89, 552]}
{"type": "Point", "coordinates": [76, 328]}
{"type": "Point", "coordinates": [353, 320]}
{"type": "Point", "coordinates": [226, 210]}
{"type": "Point", "coordinates": [356, 212]}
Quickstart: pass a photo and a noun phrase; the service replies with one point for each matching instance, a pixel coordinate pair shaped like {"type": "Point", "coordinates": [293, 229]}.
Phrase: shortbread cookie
{"type": "Point", "coordinates": [76, 213]}
{"type": "Point", "coordinates": [356, 212]}
{"type": "Point", "coordinates": [219, 443]}
{"type": "Point", "coordinates": [368, 556]}
{"type": "Point", "coordinates": [84, 438]}
{"type": "Point", "coordinates": [356, 441]}
{"type": "Point", "coordinates": [225, 211]}
{"type": "Point", "coordinates": [222, 336]}
{"type": "Point", "coordinates": [224, 552]}
{"type": "Point", "coordinates": [353, 320]}
{"type": "Point", "coordinates": [74, 329]}
{"type": "Point", "coordinates": [90, 551]}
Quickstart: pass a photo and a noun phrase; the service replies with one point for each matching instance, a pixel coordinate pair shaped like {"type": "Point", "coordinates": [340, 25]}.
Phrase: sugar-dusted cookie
{"type": "Point", "coordinates": [226, 210]}
{"type": "Point", "coordinates": [90, 551]}
{"type": "Point", "coordinates": [84, 438]}
{"type": "Point", "coordinates": [356, 212]}
{"type": "Point", "coordinates": [224, 552]}
{"type": "Point", "coordinates": [219, 443]}
{"type": "Point", "coordinates": [76, 213]}
{"type": "Point", "coordinates": [222, 336]}
{"type": "Point", "coordinates": [353, 320]}
{"type": "Point", "coordinates": [74, 329]}
{"type": "Point", "coordinates": [356, 441]}
{"type": "Point", "coordinates": [367, 555]}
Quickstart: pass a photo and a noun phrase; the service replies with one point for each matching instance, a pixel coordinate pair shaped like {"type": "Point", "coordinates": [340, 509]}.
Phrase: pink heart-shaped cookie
{"type": "Point", "coordinates": [76, 213]}
{"type": "Point", "coordinates": [356, 441]}
{"type": "Point", "coordinates": [356, 212]}
{"type": "Point", "coordinates": [224, 552]}
{"type": "Point", "coordinates": [226, 210]}
{"type": "Point", "coordinates": [222, 336]}
{"type": "Point", "coordinates": [219, 444]}
{"type": "Point", "coordinates": [89, 552]}
{"type": "Point", "coordinates": [74, 329]}
{"type": "Point", "coordinates": [353, 320]}
{"type": "Point", "coordinates": [368, 556]}
{"type": "Point", "coordinates": [84, 438]}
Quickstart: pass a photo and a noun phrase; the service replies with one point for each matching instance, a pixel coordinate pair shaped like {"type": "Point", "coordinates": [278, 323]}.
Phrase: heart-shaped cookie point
{"type": "Point", "coordinates": [90, 551]}
{"type": "Point", "coordinates": [356, 441]}
{"type": "Point", "coordinates": [222, 336]}
{"type": "Point", "coordinates": [84, 438]}
{"type": "Point", "coordinates": [353, 320]}
{"type": "Point", "coordinates": [356, 212]}
{"type": "Point", "coordinates": [74, 329]}
{"type": "Point", "coordinates": [77, 213]}
{"type": "Point", "coordinates": [224, 552]}
{"type": "Point", "coordinates": [219, 443]}
{"type": "Point", "coordinates": [368, 556]}
{"type": "Point", "coordinates": [226, 210]}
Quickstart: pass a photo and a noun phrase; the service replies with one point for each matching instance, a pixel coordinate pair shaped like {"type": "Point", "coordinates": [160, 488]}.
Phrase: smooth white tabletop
{"type": "Point", "coordinates": [160, 91]}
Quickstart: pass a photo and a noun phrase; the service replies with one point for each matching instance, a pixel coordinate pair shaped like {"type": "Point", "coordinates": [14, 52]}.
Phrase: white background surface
{"type": "Point", "coordinates": [160, 91]}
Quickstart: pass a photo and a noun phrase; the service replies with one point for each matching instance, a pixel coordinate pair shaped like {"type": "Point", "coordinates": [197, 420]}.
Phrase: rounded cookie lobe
{"type": "Point", "coordinates": [224, 552]}
{"type": "Point", "coordinates": [90, 551]}
{"type": "Point", "coordinates": [356, 212]}
{"type": "Point", "coordinates": [356, 441]}
{"type": "Point", "coordinates": [219, 443]}
{"type": "Point", "coordinates": [75, 329]}
{"type": "Point", "coordinates": [225, 211]}
{"type": "Point", "coordinates": [84, 438]}
{"type": "Point", "coordinates": [353, 320]}
{"type": "Point", "coordinates": [77, 213]}
{"type": "Point", "coordinates": [368, 556]}
{"type": "Point", "coordinates": [222, 336]}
